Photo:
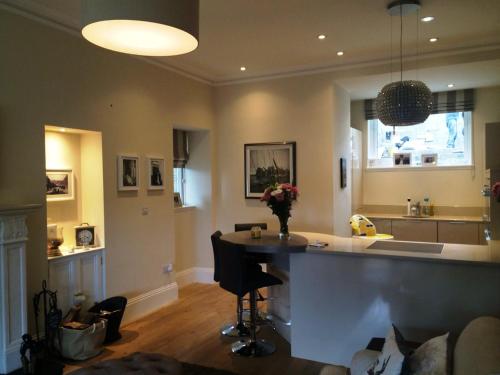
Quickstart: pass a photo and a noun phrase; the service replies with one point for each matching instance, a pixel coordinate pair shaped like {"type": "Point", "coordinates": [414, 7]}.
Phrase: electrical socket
{"type": "Point", "coordinates": [167, 268]}
{"type": "Point", "coordinates": [145, 211]}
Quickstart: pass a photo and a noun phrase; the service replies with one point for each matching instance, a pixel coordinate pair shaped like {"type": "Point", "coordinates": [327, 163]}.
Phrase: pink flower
{"type": "Point", "coordinates": [496, 191]}
{"type": "Point", "coordinates": [267, 195]}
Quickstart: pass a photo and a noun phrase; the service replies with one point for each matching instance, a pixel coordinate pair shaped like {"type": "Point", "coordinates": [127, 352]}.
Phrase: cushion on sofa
{"type": "Point", "coordinates": [431, 358]}
{"type": "Point", "coordinates": [393, 359]}
{"type": "Point", "coordinates": [478, 348]}
{"type": "Point", "coordinates": [363, 360]}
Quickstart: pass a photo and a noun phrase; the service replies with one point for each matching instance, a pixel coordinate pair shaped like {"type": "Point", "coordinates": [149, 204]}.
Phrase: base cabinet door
{"type": "Point", "coordinates": [458, 232]}
{"type": "Point", "coordinates": [382, 225]}
{"type": "Point", "coordinates": [414, 230]}
{"type": "Point", "coordinates": [78, 273]}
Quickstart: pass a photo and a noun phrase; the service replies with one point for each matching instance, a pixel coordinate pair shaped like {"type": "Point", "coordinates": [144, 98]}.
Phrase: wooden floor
{"type": "Point", "coordinates": [188, 330]}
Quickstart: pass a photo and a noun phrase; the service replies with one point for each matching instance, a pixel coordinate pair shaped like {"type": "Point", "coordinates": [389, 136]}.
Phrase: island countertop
{"type": "Point", "coordinates": [393, 216]}
{"type": "Point", "coordinates": [451, 253]}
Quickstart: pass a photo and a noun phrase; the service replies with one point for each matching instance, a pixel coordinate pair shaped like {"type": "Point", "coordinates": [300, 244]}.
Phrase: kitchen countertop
{"type": "Point", "coordinates": [452, 253]}
{"type": "Point", "coordinates": [471, 219]}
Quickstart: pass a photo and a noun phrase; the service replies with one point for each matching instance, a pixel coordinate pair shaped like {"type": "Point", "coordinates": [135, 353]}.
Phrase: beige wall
{"type": "Point", "coordinates": [50, 77]}
{"type": "Point", "coordinates": [309, 110]}
{"type": "Point", "coordinates": [446, 187]}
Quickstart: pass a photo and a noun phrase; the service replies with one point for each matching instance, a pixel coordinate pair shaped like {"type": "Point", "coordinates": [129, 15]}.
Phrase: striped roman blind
{"type": "Point", "coordinates": [442, 102]}
{"type": "Point", "coordinates": [181, 148]}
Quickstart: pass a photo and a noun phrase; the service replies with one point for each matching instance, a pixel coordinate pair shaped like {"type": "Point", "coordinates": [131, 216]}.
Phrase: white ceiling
{"type": "Point", "coordinates": [273, 37]}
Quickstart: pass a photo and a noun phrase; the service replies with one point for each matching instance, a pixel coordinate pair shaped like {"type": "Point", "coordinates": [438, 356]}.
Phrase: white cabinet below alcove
{"type": "Point", "coordinates": [79, 272]}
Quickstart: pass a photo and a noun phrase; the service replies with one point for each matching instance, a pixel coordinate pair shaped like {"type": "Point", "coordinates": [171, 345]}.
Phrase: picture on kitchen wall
{"type": "Point", "coordinates": [429, 160]}
{"type": "Point", "coordinates": [177, 200]}
{"type": "Point", "coordinates": [128, 172]}
{"type": "Point", "coordinates": [268, 163]}
{"type": "Point", "coordinates": [402, 159]}
{"type": "Point", "coordinates": [156, 167]}
{"type": "Point", "coordinates": [59, 184]}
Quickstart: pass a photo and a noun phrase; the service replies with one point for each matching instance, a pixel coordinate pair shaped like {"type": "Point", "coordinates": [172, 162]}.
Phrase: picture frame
{"type": "Point", "coordinates": [429, 160]}
{"type": "Point", "coordinates": [401, 159]}
{"type": "Point", "coordinates": [156, 173]}
{"type": "Point", "coordinates": [267, 163]}
{"type": "Point", "coordinates": [343, 173]}
{"type": "Point", "coordinates": [177, 200]}
{"type": "Point", "coordinates": [128, 172]}
{"type": "Point", "coordinates": [59, 185]}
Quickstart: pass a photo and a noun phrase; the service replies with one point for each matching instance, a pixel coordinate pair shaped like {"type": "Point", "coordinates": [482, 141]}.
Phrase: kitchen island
{"type": "Point", "coordinates": [342, 295]}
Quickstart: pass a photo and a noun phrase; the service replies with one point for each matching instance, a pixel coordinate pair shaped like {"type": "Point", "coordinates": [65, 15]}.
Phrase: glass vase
{"type": "Point", "coordinates": [284, 234]}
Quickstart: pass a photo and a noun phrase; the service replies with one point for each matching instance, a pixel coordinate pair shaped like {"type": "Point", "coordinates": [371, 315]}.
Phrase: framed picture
{"type": "Point", "coordinates": [268, 163]}
{"type": "Point", "coordinates": [429, 160]}
{"type": "Point", "coordinates": [156, 168]}
{"type": "Point", "coordinates": [343, 173]}
{"type": "Point", "coordinates": [59, 185]}
{"type": "Point", "coordinates": [128, 172]}
{"type": "Point", "coordinates": [402, 159]}
{"type": "Point", "coordinates": [177, 200]}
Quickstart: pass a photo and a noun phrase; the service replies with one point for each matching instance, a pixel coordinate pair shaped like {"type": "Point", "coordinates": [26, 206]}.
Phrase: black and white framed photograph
{"type": "Point", "coordinates": [59, 185]}
{"type": "Point", "coordinates": [402, 159]}
{"type": "Point", "coordinates": [156, 168]}
{"type": "Point", "coordinates": [429, 160]}
{"type": "Point", "coordinates": [128, 172]}
{"type": "Point", "coordinates": [268, 163]}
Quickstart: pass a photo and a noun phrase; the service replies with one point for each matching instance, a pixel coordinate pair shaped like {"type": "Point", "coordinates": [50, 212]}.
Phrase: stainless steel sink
{"type": "Point", "coordinates": [418, 247]}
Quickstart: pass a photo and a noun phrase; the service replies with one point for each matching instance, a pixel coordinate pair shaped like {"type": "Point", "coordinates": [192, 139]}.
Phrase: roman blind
{"type": "Point", "coordinates": [442, 102]}
{"type": "Point", "coordinates": [181, 148]}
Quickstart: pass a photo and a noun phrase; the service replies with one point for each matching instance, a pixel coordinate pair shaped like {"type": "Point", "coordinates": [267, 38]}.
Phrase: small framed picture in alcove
{"type": "Point", "coordinates": [128, 172]}
{"type": "Point", "coordinates": [59, 185]}
{"type": "Point", "coordinates": [156, 168]}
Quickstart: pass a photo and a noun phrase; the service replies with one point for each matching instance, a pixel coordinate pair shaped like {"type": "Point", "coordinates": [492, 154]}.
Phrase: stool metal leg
{"type": "Point", "coordinates": [253, 347]}
{"type": "Point", "coordinates": [239, 329]}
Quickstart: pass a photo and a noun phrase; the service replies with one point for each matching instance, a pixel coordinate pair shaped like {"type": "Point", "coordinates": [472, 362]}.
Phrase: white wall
{"type": "Point", "coordinates": [50, 77]}
{"type": "Point", "coordinates": [309, 110]}
{"type": "Point", "coordinates": [445, 187]}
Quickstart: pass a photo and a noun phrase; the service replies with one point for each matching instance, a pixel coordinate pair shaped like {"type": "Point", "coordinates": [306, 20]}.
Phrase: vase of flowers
{"type": "Point", "coordinates": [279, 198]}
{"type": "Point", "coordinates": [496, 191]}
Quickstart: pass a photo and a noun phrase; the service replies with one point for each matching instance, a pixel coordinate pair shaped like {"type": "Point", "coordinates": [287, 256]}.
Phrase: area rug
{"type": "Point", "coordinates": [192, 369]}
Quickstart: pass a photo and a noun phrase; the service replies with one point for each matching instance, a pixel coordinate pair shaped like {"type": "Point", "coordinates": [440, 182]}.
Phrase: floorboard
{"type": "Point", "coordinates": [188, 330]}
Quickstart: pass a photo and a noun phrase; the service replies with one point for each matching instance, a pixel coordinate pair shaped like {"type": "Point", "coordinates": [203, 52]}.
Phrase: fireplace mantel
{"type": "Point", "coordinates": [13, 301]}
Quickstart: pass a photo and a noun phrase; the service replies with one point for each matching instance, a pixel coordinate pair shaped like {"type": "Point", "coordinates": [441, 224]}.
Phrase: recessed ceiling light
{"type": "Point", "coordinates": [321, 36]}
{"type": "Point", "coordinates": [450, 85]}
{"type": "Point", "coordinates": [433, 40]}
{"type": "Point", "coordinates": [340, 53]}
{"type": "Point", "coordinates": [243, 68]}
{"type": "Point", "coordinates": [427, 19]}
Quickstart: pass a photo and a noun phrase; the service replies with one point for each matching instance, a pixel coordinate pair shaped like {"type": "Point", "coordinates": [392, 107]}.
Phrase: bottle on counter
{"type": "Point", "coordinates": [427, 208]}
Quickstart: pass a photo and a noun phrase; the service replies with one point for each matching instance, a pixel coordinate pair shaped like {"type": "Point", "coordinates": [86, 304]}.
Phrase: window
{"type": "Point", "coordinates": [448, 135]}
{"type": "Point", "coordinates": [179, 183]}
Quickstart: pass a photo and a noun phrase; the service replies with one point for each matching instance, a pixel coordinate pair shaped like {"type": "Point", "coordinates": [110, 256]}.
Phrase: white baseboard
{"type": "Point", "coordinates": [203, 275]}
{"type": "Point", "coordinates": [149, 302]}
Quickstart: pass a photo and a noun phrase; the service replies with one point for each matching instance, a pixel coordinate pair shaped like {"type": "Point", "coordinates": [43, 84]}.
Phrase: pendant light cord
{"type": "Point", "coordinates": [401, 38]}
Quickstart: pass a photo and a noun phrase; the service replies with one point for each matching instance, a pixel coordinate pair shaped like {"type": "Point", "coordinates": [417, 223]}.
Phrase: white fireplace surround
{"type": "Point", "coordinates": [13, 299]}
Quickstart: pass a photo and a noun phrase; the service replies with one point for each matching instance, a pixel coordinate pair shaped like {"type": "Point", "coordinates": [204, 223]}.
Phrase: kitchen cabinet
{"type": "Point", "coordinates": [414, 230]}
{"type": "Point", "coordinates": [461, 232]}
{"type": "Point", "coordinates": [81, 272]}
{"type": "Point", "coordinates": [383, 225]}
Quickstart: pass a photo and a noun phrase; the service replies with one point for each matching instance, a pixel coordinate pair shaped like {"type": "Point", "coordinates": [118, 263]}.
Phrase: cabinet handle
{"type": "Point", "coordinates": [457, 222]}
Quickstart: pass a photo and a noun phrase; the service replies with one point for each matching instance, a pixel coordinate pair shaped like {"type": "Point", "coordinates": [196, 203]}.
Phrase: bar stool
{"type": "Point", "coordinates": [238, 278]}
{"type": "Point", "coordinates": [237, 329]}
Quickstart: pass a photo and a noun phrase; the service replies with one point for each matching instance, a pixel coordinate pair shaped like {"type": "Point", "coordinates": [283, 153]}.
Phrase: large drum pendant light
{"type": "Point", "coordinates": [142, 27]}
{"type": "Point", "coordinates": [403, 103]}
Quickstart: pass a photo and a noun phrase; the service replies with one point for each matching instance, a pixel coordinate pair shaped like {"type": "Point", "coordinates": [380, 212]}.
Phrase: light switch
{"type": "Point", "coordinates": [145, 211]}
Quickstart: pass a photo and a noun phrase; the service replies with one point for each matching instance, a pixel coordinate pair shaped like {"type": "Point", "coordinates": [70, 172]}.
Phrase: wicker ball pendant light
{"type": "Point", "coordinates": [403, 103]}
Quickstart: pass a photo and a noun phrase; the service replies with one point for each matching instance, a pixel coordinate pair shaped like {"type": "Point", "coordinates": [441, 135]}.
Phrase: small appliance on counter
{"type": "Point", "coordinates": [491, 213]}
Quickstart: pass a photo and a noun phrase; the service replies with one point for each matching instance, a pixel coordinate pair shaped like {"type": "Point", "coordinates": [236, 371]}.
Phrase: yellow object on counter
{"type": "Point", "coordinates": [361, 226]}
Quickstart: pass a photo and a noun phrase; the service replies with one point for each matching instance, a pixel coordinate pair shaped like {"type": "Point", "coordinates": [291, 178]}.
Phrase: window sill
{"type": "Point", "coordinates": [184, 208]}
{"type": "Point", "coordinates": [418, 168]}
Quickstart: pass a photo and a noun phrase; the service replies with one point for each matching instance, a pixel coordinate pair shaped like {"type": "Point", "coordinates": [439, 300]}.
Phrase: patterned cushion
{"type": "Point", "coordinates": [134, 364]}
